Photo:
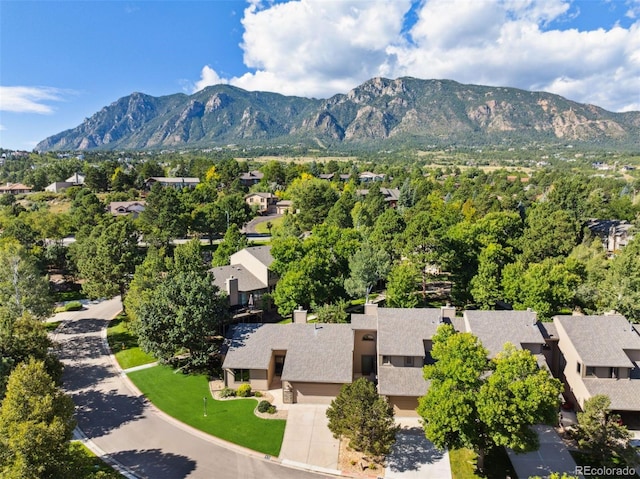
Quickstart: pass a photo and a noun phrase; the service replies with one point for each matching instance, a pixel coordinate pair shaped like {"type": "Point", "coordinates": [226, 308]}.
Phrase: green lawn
{"type": "Point", "coordinates": [92, 463]}
{"type": "Point", "coordinates": [124, 344]}
{"type": "Point", "coordinates": [181, 396]}
{"type": "Point", "coordinates": [51, 325]}
{"type": "Point", "coordinates": [262, 227]}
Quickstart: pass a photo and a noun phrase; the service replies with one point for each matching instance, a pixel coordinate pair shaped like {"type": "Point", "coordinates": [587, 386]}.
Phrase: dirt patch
{"type": "Point", "coordinates": [356, 463]}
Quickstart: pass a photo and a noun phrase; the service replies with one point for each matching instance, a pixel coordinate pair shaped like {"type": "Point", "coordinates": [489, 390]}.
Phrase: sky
{"type": "Point", "coordinates": [63, 61]}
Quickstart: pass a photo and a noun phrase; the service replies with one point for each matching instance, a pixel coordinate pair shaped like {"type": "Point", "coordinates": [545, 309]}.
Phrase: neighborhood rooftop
{"type": "Point", "coordinates": [495, 328]}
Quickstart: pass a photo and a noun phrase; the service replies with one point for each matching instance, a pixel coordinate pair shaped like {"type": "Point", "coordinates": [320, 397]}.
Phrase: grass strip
{"type": "Point", "coordinates": [124, 344]}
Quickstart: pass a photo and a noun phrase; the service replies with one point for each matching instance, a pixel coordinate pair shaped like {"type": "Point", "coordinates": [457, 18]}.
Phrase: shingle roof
{"type": "Point", "coordinates": [600, 340]}
{"type": "Point", "coordinates": [364, 321]}
{"type": "Point", "coordinates": [315, 352]}
{"type": "Point", "coordinates": [495, 328]}
{"type": "Point", "coordinates": [398, 381]}
{"type": "Point", "coordinates": [179, 179]}
{"type": "Point", "coordinates": [246, 280]}
{"type": "Point", "coordinates": [624, 393]}
{"type": "Point", "coordinates": [402, 332]}
{"type": "Point", "coordinates": [262, 254]}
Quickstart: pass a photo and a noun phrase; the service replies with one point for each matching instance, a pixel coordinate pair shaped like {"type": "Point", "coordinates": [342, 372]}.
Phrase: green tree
{"type": "Point", "coordinates": [188, 257]}
{"type": "Point", "coordinates": [548, 233]}
{"type": "Point", "coordinates": [107, 258]}
{"type": "Point", "coordinates": [182, 314]}
{"type": "Point", "coordinates": [620, 289]}
{"type": "Point", "coordinates": [387, 233]}
{"type": "Point", "coordinates": [367, 267]}
{"type": "Point", "coordinates": [23, 287]}
{"type": "Point", "coordinates": [232, 242]}
{"type": "Point", "coordinates": [467, 407]}
{"type": "Point", "coordinates": [601, 433]}
{"type": "Point", "coordinates": [147, 277]}
{"type": "Point", "coordinates": [486, 285]}
{"type": "Point", "coordinates": [361, 415]}
{"type": "Point", "coordinates": [36, 424]}
{"type": "Point", "coordinates": [312, 198]}
{"type": "Point", "coordinates": [401, 286]}
{"type": "Point", "coordinates": [164, 217]}
{"type": "Point", "coordinates": [332, 313]}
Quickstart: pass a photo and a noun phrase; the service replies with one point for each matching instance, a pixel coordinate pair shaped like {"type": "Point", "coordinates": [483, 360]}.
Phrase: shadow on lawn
{"type": "Point", "coordinates": [99, 413]}
{"type": "Point", "coordinates": [155, 463]}
{"type": "Point", "coordinates": [411, 450]}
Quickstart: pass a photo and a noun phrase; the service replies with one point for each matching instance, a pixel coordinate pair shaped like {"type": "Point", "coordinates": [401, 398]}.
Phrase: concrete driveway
{"type": "Point", "coordinates": [307, 439]}
{"type": "Point", "coordinates": [121, 425]}
{"type": "Point", "coordinates": [414, 457]}
{"type": "Point", "coordinates": [553, 456]}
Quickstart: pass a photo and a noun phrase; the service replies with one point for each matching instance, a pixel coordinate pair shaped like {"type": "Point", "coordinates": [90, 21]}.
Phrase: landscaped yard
{"type": "Point", "coordinates": [124, 345]}
{"type": "Point", "coordinates": [463, 464]}
{"type": "Point", "coordinates": [182, 397]}
{"type": "Point", "coordinates": [262, 227]}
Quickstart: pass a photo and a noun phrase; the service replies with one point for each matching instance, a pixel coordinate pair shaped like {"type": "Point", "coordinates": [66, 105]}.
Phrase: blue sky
{"type": "Point", "coordinates": [62, 61]}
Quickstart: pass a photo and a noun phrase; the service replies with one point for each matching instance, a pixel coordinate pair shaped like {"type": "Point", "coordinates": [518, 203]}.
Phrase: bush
{"type": "Point", "coordinates": [244, 390]}
{"type": "Point", "coordinates": [272, 409]}
{"type": "Point", "coordinates": [73, 306]}
{"type": "Point", "coordinates": [264, 406]}
{"type": "Point", "coordinates": [257, 394]}
{"type": "Point", "coordinates": [227, 393]}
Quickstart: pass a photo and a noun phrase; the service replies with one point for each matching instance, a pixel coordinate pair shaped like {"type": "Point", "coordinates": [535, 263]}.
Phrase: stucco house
{"type": "Point", "coordinates": [15, 188]}
{"type": "Point", "coordinates": [262, 202]}
{"type": "Point", "coordinates": [178, 182]}
{"type": "Point", "coordinates": [247, 278]}
{"type": "Point", "coordinates": [601, 355]}
{"type": "Point", "coordinates": [284, 207]}
{"type": "Point", "coordinates": [614, 234]}
{"type": "Point", "coordinates": [125, 208]}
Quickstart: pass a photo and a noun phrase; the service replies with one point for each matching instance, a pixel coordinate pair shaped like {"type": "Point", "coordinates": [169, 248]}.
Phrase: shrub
{"type": "Point", "coordinates": [227, 393]}
{"type": "Point", "coordinates": [264, 406]}
{"type": "Point", "coordinates": [257, 394]}
{"type": "Point", "coordinates": [272, 409]}
{"type": "Point", "coordinates": [73, 306]}
{"type": "Point", "coordinates": [244, 390]}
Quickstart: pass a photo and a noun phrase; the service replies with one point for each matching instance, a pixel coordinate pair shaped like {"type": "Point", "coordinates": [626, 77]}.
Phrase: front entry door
{"type": "Point", "coordinates": [368, 365]}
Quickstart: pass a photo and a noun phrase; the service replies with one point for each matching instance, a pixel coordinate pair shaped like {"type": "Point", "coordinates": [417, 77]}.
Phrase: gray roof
{"type": "Point", "coordinates": [624, 393]}
{"type": "Point", "coordinates": [246, 280]}
{"type": "Point", "coordinates": [364, 321]}
{"type": "Point", "coordinates": [601, 340]}
{"type": "Point", "coordinates": [402, 332]}
{"type": "Point", "coordinates": [179, 179]}
{"type": "Point", "coordinates": [315, 352]}
{"type": "Point", "coordinates": [398, 381]}
{"type": "Point", "coordinates": [262, 254]}
{"type": "Point", "coordinates": [495, 328]}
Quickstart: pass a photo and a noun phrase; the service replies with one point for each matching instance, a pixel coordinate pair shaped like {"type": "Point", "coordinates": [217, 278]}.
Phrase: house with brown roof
{"type": "Point", "coordinates": [601, 355]}
{"type": "Point", "coordinates": [262, 202]}
{"type": "Point", "coordinates": [15, 188]}
{"type": "Point", "coordinates": [127, 208]}
{"type": "Point", "coordinates": [251, 177]}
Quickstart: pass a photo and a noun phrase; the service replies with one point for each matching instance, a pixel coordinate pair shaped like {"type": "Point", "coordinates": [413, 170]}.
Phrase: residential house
{"type": "Point", "coordinates": [178, 182]}
{"type": "Point", "coordinates": [327, 176]}
{"type": "Point", "coordinates": [124, 208]}
{"type": "Point", "coordinates": [15, 188]}
{"type": "Point", "coordinates": [614, 234]}
{"type": "Point", "coordinates": [77, 179]}
{"type": "Point", "coordinates": [284, 206]}
{"type": "Point", "coordinates": [251, 178]}
{"type": "Point", "coordinates": [247, 278]}
{"type": "Point", "coordinates": [391, 195]}
{"type": "Point", "coordinates": [368, 177]}
{"type": "Point", "coordinates": [601, 355]}
{"type": "Point", "coordinates": [262, 202]}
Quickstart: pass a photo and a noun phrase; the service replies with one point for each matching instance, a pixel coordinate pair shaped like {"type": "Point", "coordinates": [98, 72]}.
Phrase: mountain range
{"type": "Point", "coordinates": [405, 112]}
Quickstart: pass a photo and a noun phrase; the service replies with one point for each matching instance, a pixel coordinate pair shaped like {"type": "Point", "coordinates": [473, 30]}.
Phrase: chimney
{"type": "Point", "coordinates": [300, 316]}
{"type": "Point", "coordinates": [447, 312]}
{"type": "Point", "coordinates": [231, 284]}
{"type": "Point", "coordinates": [371, 309]}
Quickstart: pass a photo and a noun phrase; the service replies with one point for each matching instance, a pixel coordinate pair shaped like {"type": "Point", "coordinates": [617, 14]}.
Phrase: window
{"type": "Point", "coordinates": [386, 359]}
{"type": "Point", "coordinates": [579, 367]}
{"type": "Point", "coordinates": [590, 371]}
{"type": "Point", "coordinates": [613, 373]}
{"type": "Point", "coordinates": [408, 360]}
{"type": "Point", "coordinates": [241, 375]}
{"type": "Point", "coordinates": [368, 337]}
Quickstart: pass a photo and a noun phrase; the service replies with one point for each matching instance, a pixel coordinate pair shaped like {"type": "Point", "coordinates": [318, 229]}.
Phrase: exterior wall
{"type": "Point", "coordinates": [572, 377]}
{"type": "Point", "coordinates": [404, 406]}
{"type": "Point", "coordinates": [315, 393]}
{"type": "Point", "coordinates": [257, 379]}
{"type": "Point", "coordinates": [252, 264]}
{"type": "Point", "coordinates": [634, 355]}
{"type": "Point", "coordinates": [362, 348]}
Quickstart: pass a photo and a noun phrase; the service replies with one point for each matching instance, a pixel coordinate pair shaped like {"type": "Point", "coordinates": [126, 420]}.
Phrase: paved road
{"type": "Point", "coordinates": [131, 431]}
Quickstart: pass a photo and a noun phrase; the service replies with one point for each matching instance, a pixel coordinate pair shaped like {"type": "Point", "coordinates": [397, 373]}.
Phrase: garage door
{"type": "Point", "coordinates": [404, 406]}
{"type": "Point", "coordinates": [315, 393]}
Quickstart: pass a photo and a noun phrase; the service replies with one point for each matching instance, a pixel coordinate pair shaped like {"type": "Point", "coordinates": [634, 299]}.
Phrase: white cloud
{"type": "Point", "coordinates": [319, 48]}
{"type": "Point", "coordinates": [25, 99]}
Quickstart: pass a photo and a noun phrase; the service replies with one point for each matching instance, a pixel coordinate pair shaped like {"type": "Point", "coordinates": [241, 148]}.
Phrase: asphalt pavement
{"type": "Point", "coordinates": [119, 423]}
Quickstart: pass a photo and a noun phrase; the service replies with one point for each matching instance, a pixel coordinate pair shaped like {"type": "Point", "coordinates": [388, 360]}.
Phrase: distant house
{"type": "Point", "coordinates": [76, 179]}
{"type": "Point", "coordinates": [15, 188]}
{"type": "Point", "coordinates": [251, 178]}
{"type": "Point", "coordinates": [247, 278]}
{"type": "Point", "coordinates": [614, 234]}
{"type": "Point", "coordinates": [178, 182]}
{"type": "Point", "coordinates": [262, 202]}
{"type": "Point", "coordinates": [368, 177]}
{"type": "Point", "coordinates": [601, 355]}
{"type": "Point", "coordinates": [326, 176]}
{"type": "Point", "coordinates": [391, 195]}
{"type": "Point", "coordinates": [284, 206]}
{"type": "Point", "coordinates": [124, 208]}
